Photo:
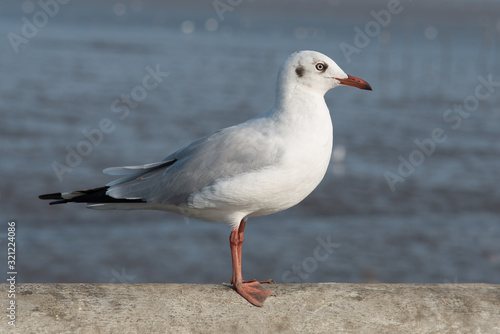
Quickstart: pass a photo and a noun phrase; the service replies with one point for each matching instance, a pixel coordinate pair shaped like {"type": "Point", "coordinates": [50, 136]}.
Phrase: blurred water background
{"type": "Point", "coordinates": [427, 62]}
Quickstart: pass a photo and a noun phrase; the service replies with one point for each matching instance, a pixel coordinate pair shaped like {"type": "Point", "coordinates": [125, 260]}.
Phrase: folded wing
{"type": "Point", "coordinates": [224, 154]}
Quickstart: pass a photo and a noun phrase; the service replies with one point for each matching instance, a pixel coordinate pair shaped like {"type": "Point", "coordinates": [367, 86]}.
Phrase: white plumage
{"type": "Point", "coordinates": [264, 165]}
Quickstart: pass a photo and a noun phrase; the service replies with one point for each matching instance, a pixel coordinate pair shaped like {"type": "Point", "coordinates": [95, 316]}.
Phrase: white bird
{"type": "Point", "coordinates": [264, 165]}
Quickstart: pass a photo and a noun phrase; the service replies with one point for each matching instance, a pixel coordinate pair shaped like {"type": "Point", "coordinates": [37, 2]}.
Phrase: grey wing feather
{"type": "Point", "coordinates": [125, 170]}
{"type": "Point", "coordinates": [223, 154]}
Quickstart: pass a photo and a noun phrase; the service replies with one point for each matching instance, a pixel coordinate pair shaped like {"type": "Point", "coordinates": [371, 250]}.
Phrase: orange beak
{"type": "Point", "coordinates": [355, 82]}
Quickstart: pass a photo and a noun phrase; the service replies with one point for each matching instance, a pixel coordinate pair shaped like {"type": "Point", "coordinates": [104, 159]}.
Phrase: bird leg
{"type": "Point", "coordinates": [250, 290]}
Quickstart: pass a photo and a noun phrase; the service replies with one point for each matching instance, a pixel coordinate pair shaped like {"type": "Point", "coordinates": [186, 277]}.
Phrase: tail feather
{"type": "Point", "coordinates": [95, 195]}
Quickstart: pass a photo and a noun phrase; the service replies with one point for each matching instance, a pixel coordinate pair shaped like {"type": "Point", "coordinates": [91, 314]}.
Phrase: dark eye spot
{"type": "Point", "coordinates": [299, 70]}
{"type": "Point", "coordinates": [321, 67]}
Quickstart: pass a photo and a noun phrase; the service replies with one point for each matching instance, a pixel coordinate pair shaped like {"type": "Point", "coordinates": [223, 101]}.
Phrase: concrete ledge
{"type": "Point", "coordinates": [293, 308]}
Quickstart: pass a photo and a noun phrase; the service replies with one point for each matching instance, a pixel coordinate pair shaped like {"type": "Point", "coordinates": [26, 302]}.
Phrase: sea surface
{"type": "Point", "coordinates": [412, 193]}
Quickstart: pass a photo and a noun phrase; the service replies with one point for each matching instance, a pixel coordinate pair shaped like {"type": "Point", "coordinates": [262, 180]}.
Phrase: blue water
{"type": "Point", "coordinates": [442, 224]}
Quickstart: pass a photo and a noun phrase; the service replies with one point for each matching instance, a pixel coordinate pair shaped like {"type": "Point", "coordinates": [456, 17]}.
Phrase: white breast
{"type": "Point", "coordinates": [306, 141]}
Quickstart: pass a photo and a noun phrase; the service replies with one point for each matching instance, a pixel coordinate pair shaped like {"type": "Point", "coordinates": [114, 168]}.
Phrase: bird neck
{"type": "Point", "coordinates": [298, 101]}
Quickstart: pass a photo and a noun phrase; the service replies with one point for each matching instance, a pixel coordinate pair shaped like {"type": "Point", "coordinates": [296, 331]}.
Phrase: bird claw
{"type": "Point", "coordinates": [253, 292]}
{"type": "Point", "coordinates": [254, 281]}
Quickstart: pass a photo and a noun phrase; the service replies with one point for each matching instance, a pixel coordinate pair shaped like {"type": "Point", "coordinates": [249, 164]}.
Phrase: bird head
{"type": "Point", "coordinates": [316, 72]}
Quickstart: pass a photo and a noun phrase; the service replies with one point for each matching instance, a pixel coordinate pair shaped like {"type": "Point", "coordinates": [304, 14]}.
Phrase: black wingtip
{"type": "Point", "coordinates": [63, 201]}
{"type": "Point", "coordinates": [51, 196]}
{"type": "Point", "coordinates": [94, 195]}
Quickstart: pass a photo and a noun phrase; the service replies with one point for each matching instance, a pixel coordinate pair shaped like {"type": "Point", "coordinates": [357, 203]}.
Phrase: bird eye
{"type": "Point", "coordinates": [320, 67]}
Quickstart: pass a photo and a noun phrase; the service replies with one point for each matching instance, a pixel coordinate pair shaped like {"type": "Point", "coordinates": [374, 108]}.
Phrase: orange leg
{"type": "Point", "coordinates": [250, 290]}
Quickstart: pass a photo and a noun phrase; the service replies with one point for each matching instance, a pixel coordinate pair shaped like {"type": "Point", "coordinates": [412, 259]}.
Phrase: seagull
{"type": "Point", "coordinates": [264, 165]}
